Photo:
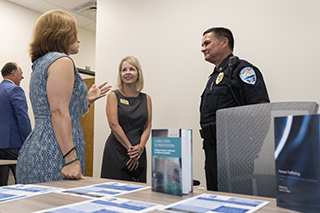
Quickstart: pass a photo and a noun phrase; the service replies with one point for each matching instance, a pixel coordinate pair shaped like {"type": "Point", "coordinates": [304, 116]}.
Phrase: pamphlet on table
{"type": "Point", "coordinates": [206, 203]}
{"type": "Point", "coordinates": [18, 191]}
{"type": "Point", "coordinates": [111, 204]}
{"type": "Point", "coordinates": [107, 189]}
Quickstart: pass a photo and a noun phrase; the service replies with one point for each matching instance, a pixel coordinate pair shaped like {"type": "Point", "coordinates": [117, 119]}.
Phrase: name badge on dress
{"type": "Point", "coordinates": [123, 101]}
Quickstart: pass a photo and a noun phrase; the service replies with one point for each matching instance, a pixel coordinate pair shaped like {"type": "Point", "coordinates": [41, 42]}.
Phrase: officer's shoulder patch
{"type": "Point", "coordinates": [248, 75]}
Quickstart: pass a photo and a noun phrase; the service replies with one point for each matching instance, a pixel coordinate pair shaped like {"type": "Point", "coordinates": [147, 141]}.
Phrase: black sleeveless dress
{"type": "Point", "coordinates": [132, 117]}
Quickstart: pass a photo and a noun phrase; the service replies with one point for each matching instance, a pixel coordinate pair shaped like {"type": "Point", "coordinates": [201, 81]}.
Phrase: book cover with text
{"type": "Point", "coordinates": [297, 162]}
{"type": "Point", "coordinates": [172, 161]}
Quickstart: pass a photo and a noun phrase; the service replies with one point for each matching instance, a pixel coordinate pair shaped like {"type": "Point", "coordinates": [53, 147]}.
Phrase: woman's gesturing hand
{"type": "Point", "coordinates": [96, 92]}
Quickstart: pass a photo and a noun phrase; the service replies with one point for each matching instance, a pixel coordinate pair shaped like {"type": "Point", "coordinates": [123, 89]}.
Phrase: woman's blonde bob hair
{"type": "Point", "coordinates": [54, 31]}
{"type": "Point", "coordinates": [135, 62]}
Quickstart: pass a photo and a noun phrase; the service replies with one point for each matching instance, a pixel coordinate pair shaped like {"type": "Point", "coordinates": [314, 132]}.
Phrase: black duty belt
{"type": "Point", "coordinates": [208, 130]}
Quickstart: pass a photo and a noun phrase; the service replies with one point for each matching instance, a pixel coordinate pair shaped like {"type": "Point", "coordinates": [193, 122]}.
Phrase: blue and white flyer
{"type": "Point", "coordinates": [107, 189]}
{"type": "Point", "coordinates": [18, 191]}
{"type": "Point", "coordinates": [208, 203]}
{"type": "Point", "coordinates": [105, 204]}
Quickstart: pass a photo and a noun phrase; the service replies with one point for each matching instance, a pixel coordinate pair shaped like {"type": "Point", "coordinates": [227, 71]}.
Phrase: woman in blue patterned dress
{"type": "Point", "coordinates": [55, 148]}
{"type": "Point", "coordinates": [129, 114]}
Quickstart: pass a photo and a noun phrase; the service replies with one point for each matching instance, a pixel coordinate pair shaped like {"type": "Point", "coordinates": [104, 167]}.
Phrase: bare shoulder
{"type": "Point", "coordinates": [63, 61]}
{"type": "Point", "coordinates": [61, 65]}
{"type": "Point", "coordinates": [148, 97]}
{"type": "Point", "coordinates": [112, 94]}
{"type": "Point", "coordinates": [149, 102]}
{"type": "Point", "coordinates": [112, 97]}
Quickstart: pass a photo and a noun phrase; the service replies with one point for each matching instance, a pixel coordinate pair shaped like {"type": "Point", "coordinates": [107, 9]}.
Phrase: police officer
{"type": "Point", "coordinates": [233, 82]}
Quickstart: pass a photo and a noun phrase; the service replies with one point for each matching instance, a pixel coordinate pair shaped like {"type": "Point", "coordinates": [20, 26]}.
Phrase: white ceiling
{"type": "Point", "coordinates": [86, 18]}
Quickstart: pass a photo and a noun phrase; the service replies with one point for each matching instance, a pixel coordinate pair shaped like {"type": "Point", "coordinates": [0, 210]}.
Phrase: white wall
{"type": "Point", "coordinates": [16, 24]}
{"type": "Point", "coordinates": [280, 37]}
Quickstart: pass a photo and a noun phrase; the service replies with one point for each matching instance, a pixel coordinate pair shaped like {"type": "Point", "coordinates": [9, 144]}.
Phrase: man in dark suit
{"type": "Point", "coordinates": [14, 120]}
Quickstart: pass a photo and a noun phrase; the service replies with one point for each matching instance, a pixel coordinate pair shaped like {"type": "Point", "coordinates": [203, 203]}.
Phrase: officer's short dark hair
{"type": "Point", "coordinates": [221, 32]}
{"type": "Point", "coordinates": [8, 67]}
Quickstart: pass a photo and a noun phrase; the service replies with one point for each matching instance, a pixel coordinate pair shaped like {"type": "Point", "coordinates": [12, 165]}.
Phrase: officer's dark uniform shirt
{"type": "Point", "coordinates": [247, 84]}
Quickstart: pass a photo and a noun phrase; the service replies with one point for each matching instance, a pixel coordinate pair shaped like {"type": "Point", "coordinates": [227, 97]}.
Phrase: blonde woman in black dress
{"type": "Point", "coordinates": [129, 114]}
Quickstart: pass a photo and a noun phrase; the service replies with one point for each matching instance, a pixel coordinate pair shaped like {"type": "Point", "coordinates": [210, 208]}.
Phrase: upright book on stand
{"type": "Point", "coordinates": [297, 158]}
{"type": "Point", "coordinates": [172, 161]}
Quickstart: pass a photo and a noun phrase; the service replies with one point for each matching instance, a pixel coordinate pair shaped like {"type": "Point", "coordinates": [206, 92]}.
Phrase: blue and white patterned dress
{"type": "Point", "coordinates": [40, 158]}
